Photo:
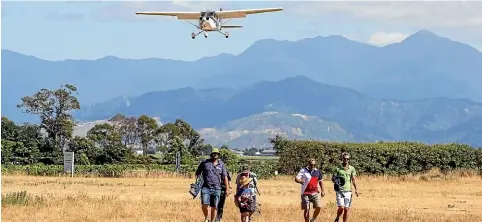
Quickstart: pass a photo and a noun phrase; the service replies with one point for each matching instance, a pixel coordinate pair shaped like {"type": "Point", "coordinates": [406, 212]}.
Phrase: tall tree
{"type": "Point", "coordinates": [147, 130]}
{"type": "Point", "coordinates": [109, 147]}
{"type": "Point", "coordinates": [192, 139]}
{"type": "Point", "coordinates": [53, 107]}
{"type": "Point", "coordinates": [127, 128]}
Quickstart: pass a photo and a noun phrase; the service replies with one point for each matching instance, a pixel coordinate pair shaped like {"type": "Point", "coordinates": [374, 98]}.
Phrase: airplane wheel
{"type": "Point", "coordinates": [193, 35]}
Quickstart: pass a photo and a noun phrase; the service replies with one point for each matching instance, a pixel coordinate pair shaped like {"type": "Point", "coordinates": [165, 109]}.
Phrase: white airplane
{"type": "Point", "coordinates": [212, 21]}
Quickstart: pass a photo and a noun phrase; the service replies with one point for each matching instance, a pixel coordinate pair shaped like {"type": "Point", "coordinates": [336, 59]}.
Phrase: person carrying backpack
{"type": "Point", "coordinates": [244, 198]}
{"type": "Point", "coordinates": [252, 185]}
{"type": "Point", "coordinates": [344, 176]}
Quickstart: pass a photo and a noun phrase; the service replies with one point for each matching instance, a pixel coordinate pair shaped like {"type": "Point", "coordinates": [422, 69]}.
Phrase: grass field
{"type": "Point", "coordinates": [165, 198]}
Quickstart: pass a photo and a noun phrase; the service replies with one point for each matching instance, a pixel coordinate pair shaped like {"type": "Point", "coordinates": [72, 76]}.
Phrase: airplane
{"type": "Point", "coordinates": [211, 20]}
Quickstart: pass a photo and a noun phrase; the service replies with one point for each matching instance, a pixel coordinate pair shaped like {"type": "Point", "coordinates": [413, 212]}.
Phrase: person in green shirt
{"type": "Point", "coordinates": [344, 195]}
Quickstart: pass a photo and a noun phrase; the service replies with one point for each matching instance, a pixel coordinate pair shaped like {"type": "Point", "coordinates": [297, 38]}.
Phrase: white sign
{"type": "Point", "coordinates": [69, 162]}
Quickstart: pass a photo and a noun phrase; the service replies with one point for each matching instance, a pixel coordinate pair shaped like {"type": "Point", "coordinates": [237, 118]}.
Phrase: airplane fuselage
{"type": "Point", "coordinates": [209, 22]}
{"type": "Point", "coordinates": [208, 25]}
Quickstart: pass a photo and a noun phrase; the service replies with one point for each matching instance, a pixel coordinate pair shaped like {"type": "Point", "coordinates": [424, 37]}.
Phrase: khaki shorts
{"type": "Point", "coordinates": [307, 198]}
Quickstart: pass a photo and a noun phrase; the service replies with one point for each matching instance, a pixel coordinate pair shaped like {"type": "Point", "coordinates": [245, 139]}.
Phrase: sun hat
{"type": "Point", "coordinates": [244, 180]}
{"type": "Point", "coordinates": [215, 150]}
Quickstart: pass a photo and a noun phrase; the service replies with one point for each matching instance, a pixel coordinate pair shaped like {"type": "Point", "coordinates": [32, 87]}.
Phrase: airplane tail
{"type": "Point", "coordinates": [231, 26]}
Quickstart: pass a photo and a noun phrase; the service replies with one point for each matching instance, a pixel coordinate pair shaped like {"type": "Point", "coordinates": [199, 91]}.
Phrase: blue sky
{"type": "Point", "coordinates": [90, 30]}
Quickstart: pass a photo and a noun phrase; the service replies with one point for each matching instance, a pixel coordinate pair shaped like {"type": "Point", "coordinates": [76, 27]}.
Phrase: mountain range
{"type": "Point", "coordinates": [301, 108]}
{"type": "Point", "coordinates": [424, 88]}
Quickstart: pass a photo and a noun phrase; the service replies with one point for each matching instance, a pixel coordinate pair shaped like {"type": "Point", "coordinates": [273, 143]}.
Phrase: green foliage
{"type": "Point", "coordinates": [107, 150]}
{"type": "Point", "coordinates": [53, 107]}
{"type": "Point", "coordinates": [378, 158]}
{"type": "Point", "coordinates": [228, 157]}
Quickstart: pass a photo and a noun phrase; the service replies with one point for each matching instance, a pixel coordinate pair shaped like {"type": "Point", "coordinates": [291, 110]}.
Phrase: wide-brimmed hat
{"type": "Point", "coordinates": [215, 150]}
{"type": "Point", "coordinates": [244, 180]}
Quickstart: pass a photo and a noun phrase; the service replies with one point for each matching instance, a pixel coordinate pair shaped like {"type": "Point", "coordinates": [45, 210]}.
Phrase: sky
{"type": "Point", "coordinates": [61, 30]}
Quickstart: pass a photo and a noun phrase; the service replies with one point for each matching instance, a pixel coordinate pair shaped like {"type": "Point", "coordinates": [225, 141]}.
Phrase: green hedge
{"type": "Point", "coordinates": [394, 158]}
{"type": "Point", "coordinates": [264, 169]}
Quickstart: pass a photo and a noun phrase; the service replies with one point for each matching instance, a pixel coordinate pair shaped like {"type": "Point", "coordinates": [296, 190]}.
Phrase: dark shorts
{"type": "Point", "coordinates": [252, 207]}
{"type": "Point", "coordinates": [210, 196]}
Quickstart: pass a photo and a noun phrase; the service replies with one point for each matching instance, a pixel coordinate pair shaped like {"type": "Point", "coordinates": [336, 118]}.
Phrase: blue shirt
{"type": "Point", "coordinates": [213, 175]}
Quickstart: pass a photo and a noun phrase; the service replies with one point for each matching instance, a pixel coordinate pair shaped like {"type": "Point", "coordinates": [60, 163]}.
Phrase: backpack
{"type": "Point", "coordinates": [338, 182]}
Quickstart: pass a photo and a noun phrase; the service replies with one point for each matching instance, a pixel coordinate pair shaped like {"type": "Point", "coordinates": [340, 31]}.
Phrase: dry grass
{"type": "Point", "coordinates": [411, 198]}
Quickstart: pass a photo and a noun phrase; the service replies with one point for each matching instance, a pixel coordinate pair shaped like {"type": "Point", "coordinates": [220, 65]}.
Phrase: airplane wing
{"type": "Point", "coordinates": [179, 15]}
{"type": "Point", "coordinates": [242, 13]}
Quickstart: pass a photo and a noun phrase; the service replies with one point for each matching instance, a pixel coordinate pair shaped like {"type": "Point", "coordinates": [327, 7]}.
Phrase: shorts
{"type": "Point", "coordinates": [210, 196]}
{"type": "Point", "coordinates": [344, 201]}
{"type": "Point", "coordinates": [313, 198]}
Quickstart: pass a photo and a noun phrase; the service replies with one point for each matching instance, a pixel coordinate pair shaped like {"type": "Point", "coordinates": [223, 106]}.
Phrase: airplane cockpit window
{"type": "Point", "coordinates": [210, 14]}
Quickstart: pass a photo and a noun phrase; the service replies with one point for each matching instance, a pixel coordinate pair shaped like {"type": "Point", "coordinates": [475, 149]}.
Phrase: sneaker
{"type": "Point", "coordinates": [312, 220]}
{"type": "Point", "coordinates": [336, 220]}
{"type": "Point", "coordinates": [206, 220]}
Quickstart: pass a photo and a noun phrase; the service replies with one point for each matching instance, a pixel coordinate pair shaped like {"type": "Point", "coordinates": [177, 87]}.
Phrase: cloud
{"type": "Point", "coordinates": [422, 14]}
{"type": "Point", "coordinates": [124, 11]}
{"type": "Point", "coordinates": [384, 38]}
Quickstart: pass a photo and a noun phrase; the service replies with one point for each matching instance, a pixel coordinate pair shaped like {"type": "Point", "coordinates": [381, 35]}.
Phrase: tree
{"type": "Point", "coordinates": [20, 144]}
{"type": "Point", "coordinates": [83, 146]}
{"type": "Point", "coordinates": [109, 144]}
{"type": "Point", "coordinates": [127, 128]}
{"type": "Point", "coordinates": [147, 130]}
{"type": "Point", "coordinates": [192, 139]}
{"type": "Point", "coordinates": [53, 107]}
{"type": "Point", "coordinates": [229, 157]}
{"type": "Point", "coordinates": [279, 144]}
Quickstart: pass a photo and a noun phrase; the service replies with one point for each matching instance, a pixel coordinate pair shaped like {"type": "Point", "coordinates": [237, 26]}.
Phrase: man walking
{"type": "Point", "coordinates": [222, 200]}
{"type": "Point", "coordinates": [310, 177]}
{"type": "Point", "coordinates": [344, 195]}
{"type": "Point", "coordinates": [214, 173]}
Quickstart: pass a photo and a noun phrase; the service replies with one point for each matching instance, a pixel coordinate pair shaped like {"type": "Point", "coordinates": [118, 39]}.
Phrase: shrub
{"type": "Point", "coordinates": [394, 158]}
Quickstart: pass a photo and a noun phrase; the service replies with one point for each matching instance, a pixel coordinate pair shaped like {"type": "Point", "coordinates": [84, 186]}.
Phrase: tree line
{"type": "Point", "coordinates": [108, 148]}
{"type": "Point", "coordinates": [392, 158]}
{"type": "Point", "coordinates": [112, 142]}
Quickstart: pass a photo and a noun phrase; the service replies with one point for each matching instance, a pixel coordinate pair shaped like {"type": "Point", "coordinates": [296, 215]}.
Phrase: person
{"type": "Point", "coordinates": [253, 185]}
{"type": "Point", "coordinates": [310, 177]}
{"type": "Point", "coordinates": [244, 198]}
{"type": "Point", "coordinates": [222, 199]}
{"type": "Point", "coordinates": [347, 174]}
{"type": "Point", "coordinates": [213, 174]}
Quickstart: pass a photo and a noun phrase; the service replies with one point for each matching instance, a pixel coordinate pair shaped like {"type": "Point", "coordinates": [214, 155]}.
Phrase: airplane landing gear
{"type": "Point", "coordinates": [226, 34]}
{"type": "Point", "coordinates": [205, 34]}
{"type": "Point", "coordinates": [193, 35]}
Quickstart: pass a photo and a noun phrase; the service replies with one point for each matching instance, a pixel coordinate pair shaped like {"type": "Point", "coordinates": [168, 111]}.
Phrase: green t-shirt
{"type": "Point", "coordinates": [347, 174]}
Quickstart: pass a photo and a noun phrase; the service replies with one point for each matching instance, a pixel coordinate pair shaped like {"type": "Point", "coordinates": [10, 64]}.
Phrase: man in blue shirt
{"type": "Point", "coordinates": [214, 173]}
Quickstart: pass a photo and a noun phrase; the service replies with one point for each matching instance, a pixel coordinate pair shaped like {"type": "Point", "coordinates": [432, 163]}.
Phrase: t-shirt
{"type": "Point", "coordinates": [311, 179]}
{"type": "Point", "coordinates": [213, 175]}
{"type": "Point", "coordinates": [346, 174]}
